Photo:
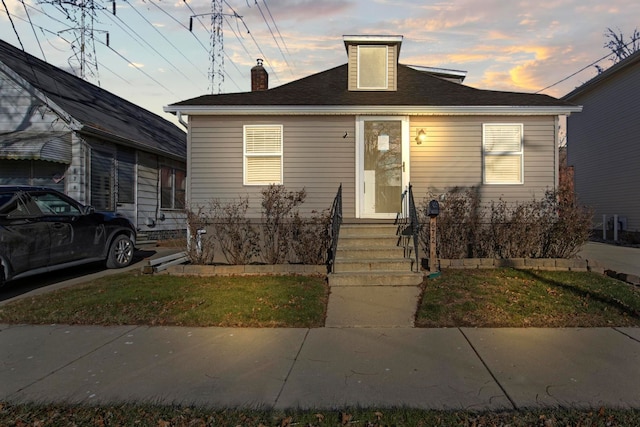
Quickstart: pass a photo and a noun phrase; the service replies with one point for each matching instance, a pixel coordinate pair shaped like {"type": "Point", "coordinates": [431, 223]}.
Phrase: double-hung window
{"type": "Point", "coordinates": [172, 188]}
{"type": "Point", "coordinates": [262, 154]}
{"type": "Point", "coordinates": [502, 148]}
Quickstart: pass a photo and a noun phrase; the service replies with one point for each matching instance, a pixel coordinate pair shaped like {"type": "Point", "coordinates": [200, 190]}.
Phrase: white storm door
{"type": "Point", "coordinates": [383, 149]}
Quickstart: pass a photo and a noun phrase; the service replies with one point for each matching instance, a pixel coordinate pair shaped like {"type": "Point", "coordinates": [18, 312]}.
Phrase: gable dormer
{"type": "Point", "coordinates": [373, 62]}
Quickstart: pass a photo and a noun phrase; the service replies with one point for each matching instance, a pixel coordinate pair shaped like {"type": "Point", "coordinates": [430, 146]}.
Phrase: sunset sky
{"type": "Point", "coordinates": [154, 60]}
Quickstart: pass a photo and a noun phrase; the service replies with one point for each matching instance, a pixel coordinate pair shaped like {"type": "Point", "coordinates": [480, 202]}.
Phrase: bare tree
{"type": "Point", "coordinates": [620, 46]}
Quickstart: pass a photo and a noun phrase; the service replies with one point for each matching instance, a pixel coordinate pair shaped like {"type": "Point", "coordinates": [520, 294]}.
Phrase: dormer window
{"type": "Point", "coordinates": [373, 70]}
{"type": "Point", "coordinates": [373, 62]}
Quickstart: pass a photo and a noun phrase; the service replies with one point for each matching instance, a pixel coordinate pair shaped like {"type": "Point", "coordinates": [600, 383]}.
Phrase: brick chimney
{"type": "Point", "coordinates": [259, 77]}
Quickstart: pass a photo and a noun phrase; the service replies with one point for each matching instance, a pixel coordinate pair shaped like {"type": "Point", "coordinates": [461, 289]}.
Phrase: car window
{"type": "Point", "coordinates": [52, 204]}
{"type": "Point", "coordinates": [16, 205]}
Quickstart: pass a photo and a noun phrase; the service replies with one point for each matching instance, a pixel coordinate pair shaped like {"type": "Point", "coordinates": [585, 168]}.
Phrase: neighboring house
{"type": "Point", "coordinates": [59, 131]}
{"type": "Point", "coordinates": [604, 144]}
{"type": "Point", "coordinates": [374, 126]}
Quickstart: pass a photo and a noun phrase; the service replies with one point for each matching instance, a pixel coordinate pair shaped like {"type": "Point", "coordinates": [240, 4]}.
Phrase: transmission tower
{"type": "Point", "coordinates": [82, 15]}
{"type": "Point", "coordinates": [216, 63]}
{"type": "Point", "coordinates": [216, 48]}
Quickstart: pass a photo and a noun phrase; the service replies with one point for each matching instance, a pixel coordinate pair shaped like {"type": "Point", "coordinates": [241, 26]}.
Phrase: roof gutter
{"type": "Point", "coordinates": [410, 110]}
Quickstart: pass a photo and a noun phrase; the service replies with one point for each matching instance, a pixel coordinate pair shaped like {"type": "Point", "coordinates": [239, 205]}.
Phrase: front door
{"type": "Point", "coordinates": [383, 161]}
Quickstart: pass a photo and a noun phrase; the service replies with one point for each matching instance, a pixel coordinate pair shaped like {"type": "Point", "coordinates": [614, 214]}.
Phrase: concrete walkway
{"type": "Point", "coordinates": [457, 368]}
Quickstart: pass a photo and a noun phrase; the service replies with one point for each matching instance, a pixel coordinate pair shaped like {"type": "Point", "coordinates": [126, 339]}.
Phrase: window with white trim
{"type": "Point", "coordinates": [262, 154]}
{"type": "Point", "coordinates": [373, 65]}
{"type": "Point", "coordinates": [502, 153]}
{"type": "Point", "coordinates": [172, 188]}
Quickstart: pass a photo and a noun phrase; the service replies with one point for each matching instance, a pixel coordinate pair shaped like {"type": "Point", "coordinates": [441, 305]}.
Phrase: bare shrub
{"type": "Point", "coordinates": [310, 238]}
{"type": "Point", "coordinates": [278, 206]}
{"type": "Point", "coordinates": [554, 227]}
{"type": "Point", "coordinates": [569, 227]}
{"type": "Point", "coordinates": [239, 240]}
{"type": "Point", "coordinates": [200, 247]}
{"type": "Point", "coordinates": [458, 225]}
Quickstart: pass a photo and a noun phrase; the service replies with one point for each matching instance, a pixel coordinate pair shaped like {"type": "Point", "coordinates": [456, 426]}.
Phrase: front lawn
{"type": "Point", "coordinates": [133, 299]}
{"type": "Point", "coordinates": [527, 298]}
{"type": "Point", "coordinates": [469, 298]}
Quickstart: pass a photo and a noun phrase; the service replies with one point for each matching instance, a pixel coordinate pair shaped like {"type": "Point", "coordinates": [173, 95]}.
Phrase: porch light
{"type": "Point", "coordinates": [421, 137]}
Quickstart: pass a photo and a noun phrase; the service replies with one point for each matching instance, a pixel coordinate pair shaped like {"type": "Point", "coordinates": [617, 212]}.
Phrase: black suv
{"type": "Point", "coordinates": [42, 230]}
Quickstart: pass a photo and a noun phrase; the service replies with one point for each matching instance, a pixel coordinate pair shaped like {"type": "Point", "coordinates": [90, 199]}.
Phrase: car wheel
{"type": "Point", "coordinates": [120, 253]}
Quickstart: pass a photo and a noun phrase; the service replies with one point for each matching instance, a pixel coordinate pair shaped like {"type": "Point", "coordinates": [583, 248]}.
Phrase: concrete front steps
{"type": "Point", "coordinates": [372, 284]}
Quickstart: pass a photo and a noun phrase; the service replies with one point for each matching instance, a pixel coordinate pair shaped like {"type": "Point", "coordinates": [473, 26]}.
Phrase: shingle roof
{"type": "Point", "coordinates": [415, 88]}
{"type": "Point", "coordinates": [95, 108]}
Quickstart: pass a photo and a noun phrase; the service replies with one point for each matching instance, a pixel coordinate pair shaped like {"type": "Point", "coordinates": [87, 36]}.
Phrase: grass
{"type": "Point", "coordinates": [458, 298]}
{"type": "Point", "coordinates": [165, 416]}
{"type": "Point", "coordinates": [132, 299]}
{"type": "Point", "coordinates": [474, 298]}
{"type": "Point", "coordinates": [527, 298]}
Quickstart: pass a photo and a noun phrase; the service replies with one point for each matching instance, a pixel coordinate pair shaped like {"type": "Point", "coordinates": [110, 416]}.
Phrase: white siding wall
{"type": "Point", "coordinates": [604, 147]}
{"type": "Point", "coordinates": [452, 157]}
{"type": "Point", "coordinates": [316, 157]}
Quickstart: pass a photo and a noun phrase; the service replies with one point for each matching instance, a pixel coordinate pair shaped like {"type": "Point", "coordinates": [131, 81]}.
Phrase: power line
{"type": "Point", "coordinates": [574, 74]}
{"type": "Point", "coordinates": [276, 26]}
{"type": "Point", "coordinates": [583, 68]}
{"type": "Point", "coordinates": [26, 11]}
{"type": "Point", "coordinates": [274, 37]}
{"type": "Point", "coordinates": [138, 38]}
{"type": "Point", "coordinates": [161, 35]}
{"type": "Point", "coordinates": [12, 24]}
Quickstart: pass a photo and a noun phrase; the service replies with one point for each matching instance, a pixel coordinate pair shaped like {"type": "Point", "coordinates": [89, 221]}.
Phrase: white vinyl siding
{"type": "Point", "coordinates": [502, 153]}
{"type": "Point", "coordinates": [452, 157]}
{"type": "Point", "coordinates": [372, 67]}
{"type": "Point", "coordinates": [317, 157]}
{"type": "Point", "coordinates": [262, 154]}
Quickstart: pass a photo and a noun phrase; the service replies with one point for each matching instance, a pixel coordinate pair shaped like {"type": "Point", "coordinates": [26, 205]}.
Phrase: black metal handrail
{"type": "Point", "coordinates": [409, 227]}
{"type": "Point", "coordinates": [334, 229]}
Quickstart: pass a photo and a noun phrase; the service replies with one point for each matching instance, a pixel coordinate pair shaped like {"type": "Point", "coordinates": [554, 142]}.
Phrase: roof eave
{"type": "Point", "coordinates": [93, 131]}
{"type": "Point", "coordinates": [409, 110]}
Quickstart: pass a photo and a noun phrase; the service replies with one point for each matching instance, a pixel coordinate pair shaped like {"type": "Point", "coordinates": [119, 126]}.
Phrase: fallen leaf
{"type": "Point", "coordinates": [345, 418]}
{"type": "Point", "coordinates": [286, 422]}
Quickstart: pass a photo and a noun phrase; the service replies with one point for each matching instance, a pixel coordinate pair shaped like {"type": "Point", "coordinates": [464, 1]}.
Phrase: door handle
{"type": "Point", "coordinates": [402, 166]}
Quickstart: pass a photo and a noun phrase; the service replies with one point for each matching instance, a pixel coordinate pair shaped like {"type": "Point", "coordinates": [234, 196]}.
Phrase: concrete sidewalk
{"type": "Point", "coordinates": [457, 368]}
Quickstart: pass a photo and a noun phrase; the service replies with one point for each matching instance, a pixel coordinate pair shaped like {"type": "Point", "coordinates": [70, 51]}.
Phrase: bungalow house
{"type": "Point", "coordinates": [59, 131]}
{"type": "Point", "coordinates": [603, 145]}
{"type": "Point", "coordinates": [373, 125]}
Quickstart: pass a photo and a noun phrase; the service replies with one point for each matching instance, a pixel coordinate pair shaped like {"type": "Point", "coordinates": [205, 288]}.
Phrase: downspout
{"type": "Point", "coordinates": [182, 122]}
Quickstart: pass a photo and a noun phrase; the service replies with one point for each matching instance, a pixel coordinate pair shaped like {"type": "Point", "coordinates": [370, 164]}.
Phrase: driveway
{"type": "Point", "coordinates": [621, 259]}
{"type": "Point", "coordinates": [48, 282]}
